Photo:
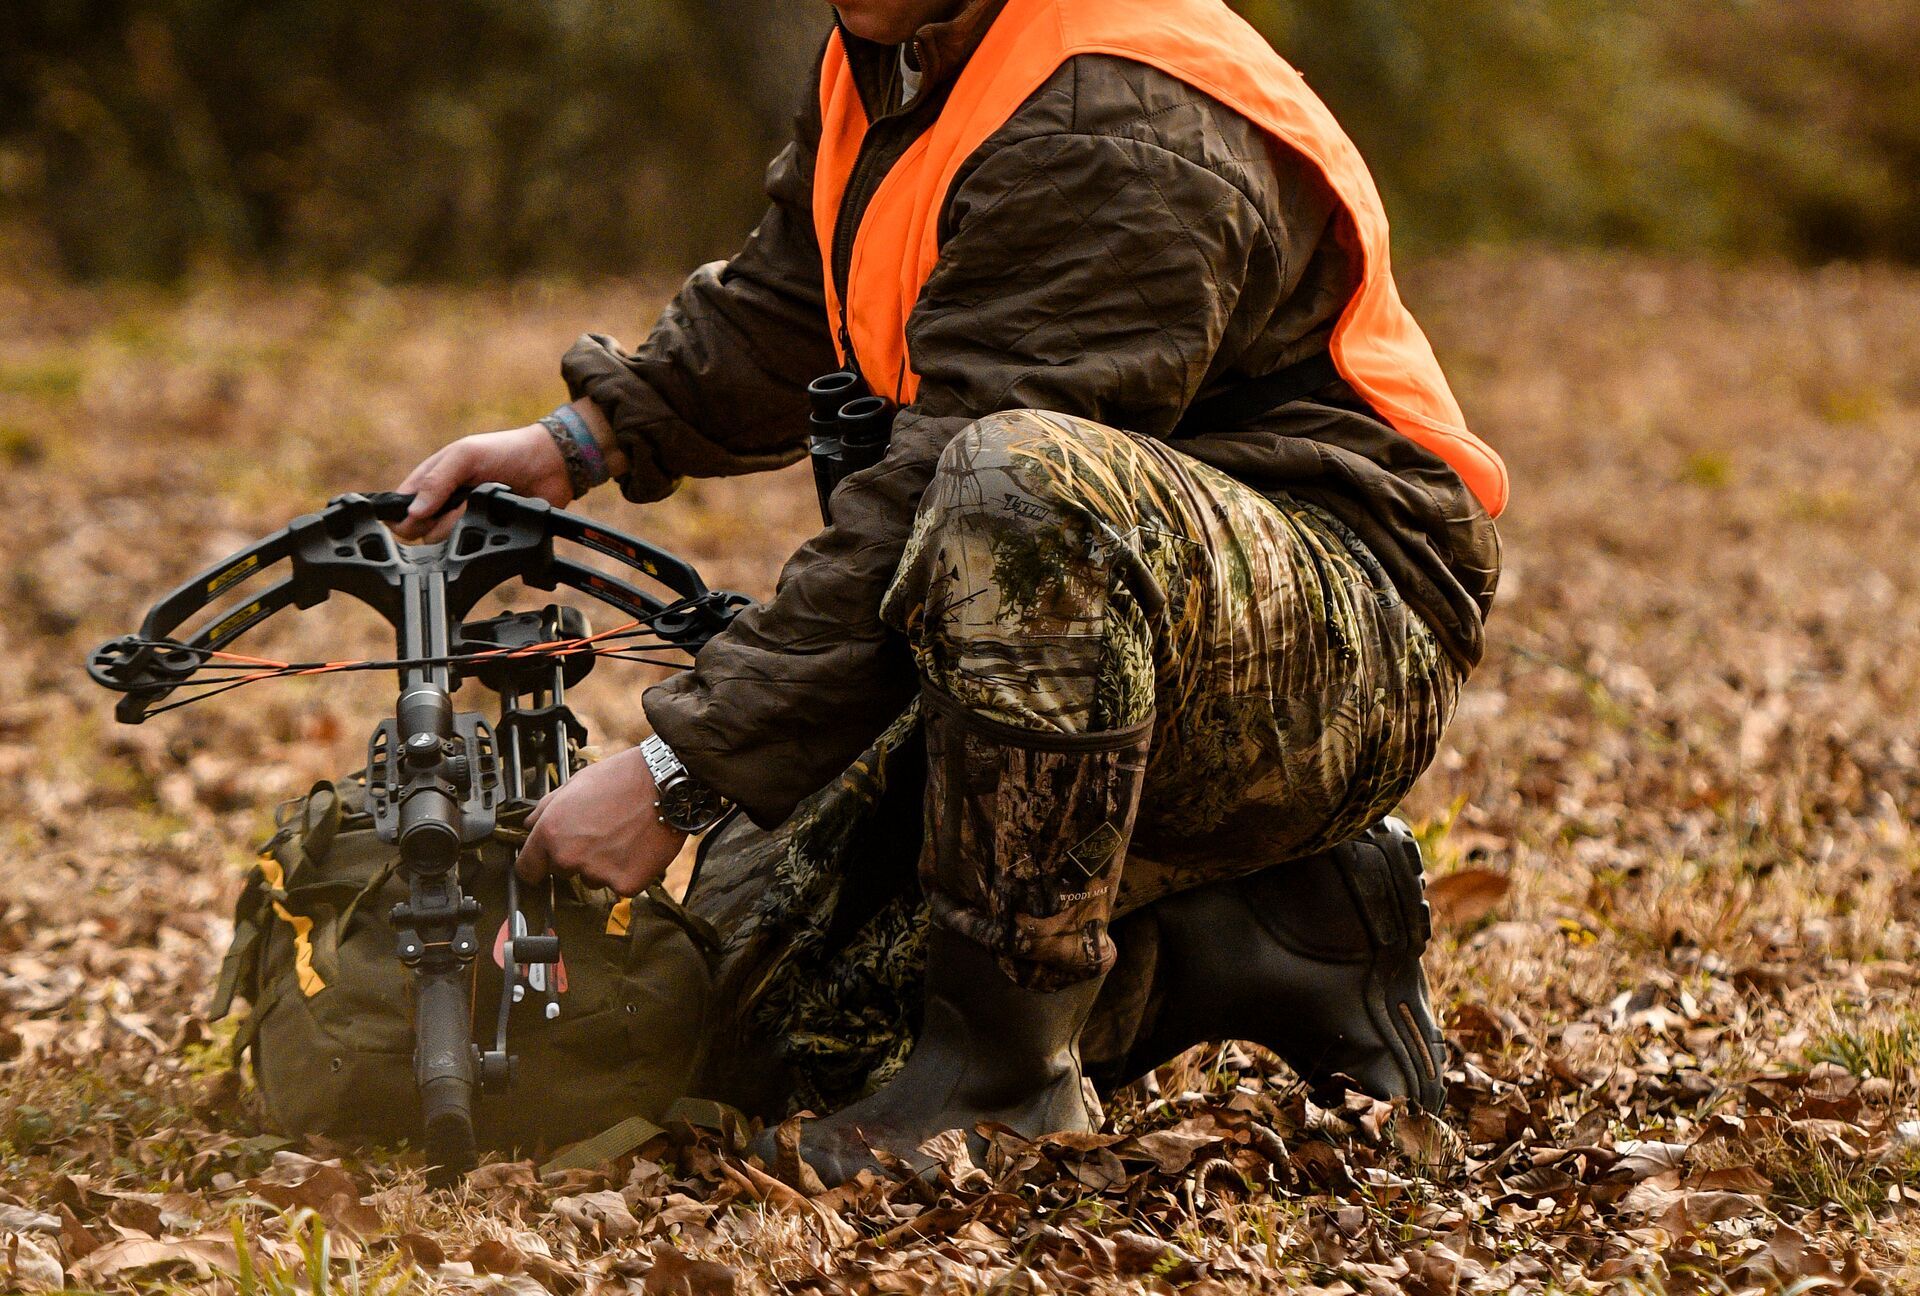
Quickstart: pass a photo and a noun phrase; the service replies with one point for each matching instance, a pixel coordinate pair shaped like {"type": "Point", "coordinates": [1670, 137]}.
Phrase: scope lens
{"type": "Point", "coordinates": [430, 845]}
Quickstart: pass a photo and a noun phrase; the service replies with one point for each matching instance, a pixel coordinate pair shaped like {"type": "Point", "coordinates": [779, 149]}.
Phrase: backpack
{"type": "Point", "coordinates": [330, 1034]}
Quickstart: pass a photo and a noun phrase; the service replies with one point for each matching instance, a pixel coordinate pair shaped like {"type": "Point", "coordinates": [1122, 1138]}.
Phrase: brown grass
{"type": "Point", "coordinates": [1691, 754]}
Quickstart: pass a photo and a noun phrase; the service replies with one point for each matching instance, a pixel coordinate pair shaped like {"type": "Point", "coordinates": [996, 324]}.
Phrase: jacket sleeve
{"type": "Point", "coordinates": [1084, 274]}
{"type": "Point", "coordinates": [719, 387]}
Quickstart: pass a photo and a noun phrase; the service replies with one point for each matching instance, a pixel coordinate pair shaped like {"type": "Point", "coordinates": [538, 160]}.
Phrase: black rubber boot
{"type": "Point", "coordinates": [988, 1050]}
{"type": "Point", "coordinates": [1317, 960]}
{"type": "Point", "coordinates": [1026, 834]}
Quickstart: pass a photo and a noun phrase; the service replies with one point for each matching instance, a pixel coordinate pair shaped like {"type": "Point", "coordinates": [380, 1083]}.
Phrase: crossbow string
{"type": "Point", "coordinates": [221, 671]}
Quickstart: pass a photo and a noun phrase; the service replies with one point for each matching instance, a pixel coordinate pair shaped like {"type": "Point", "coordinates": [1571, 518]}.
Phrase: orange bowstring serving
{"type": "Point", "coordinates": [251, 661]}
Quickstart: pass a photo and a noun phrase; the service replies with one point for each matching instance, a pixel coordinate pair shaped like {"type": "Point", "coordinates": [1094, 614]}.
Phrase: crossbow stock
{"type": "Point", "coordinates": [437, 779]}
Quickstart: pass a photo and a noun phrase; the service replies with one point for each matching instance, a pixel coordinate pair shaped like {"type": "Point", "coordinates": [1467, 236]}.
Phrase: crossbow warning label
{"type": "Point", "coordinates": [234, 624]}
{"type": "Point", "coordinates": [237, 572]}
{"type": "Point", "coordinates": [606, 544]}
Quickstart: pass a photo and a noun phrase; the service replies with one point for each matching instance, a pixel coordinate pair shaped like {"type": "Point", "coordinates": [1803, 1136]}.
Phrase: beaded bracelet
{"type": "Point", "coordinates": [589, 445]}
{"type": "Point", "coordinates": [586, 465]}
{"type": "Point", "coordinates": [579, 475]}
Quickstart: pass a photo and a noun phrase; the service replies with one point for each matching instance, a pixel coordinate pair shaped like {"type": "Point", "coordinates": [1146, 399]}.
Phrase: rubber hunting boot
{"type": "Point", "coordinates": [1317, 960]}
{"type": "Point", "coordinates": [1026, 835]}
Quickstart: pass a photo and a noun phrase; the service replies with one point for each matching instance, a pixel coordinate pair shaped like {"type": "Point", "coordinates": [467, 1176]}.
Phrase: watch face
{"type": "Point", "coordinates": [689, 807]}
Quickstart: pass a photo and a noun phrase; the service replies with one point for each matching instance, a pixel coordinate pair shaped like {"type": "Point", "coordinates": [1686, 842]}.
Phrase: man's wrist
{"type": "Point", "coordinates": [583, 473]}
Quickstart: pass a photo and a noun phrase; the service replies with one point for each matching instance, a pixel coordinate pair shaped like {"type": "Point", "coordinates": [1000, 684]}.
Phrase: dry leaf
{"type": "Point", "coordinates": [202, 1255]}
{"type": "Point", "coordinates": [29, 1264]}
{"type": "Point", "coordinates": [1477, 1028]}
{"type": "Point", "coordinates": [320, 1186]}
{"type": "Point", "coordinates": [939, 1222]}
{"type": "Point", "coordinates": [496, 1285]}
{"type": "Point", "coordinates": [422, 1250]}
{"type": "Point", "coordinates": [1644, 1159]}
{"type": "Point", "coordinates": [1740, 1179]}
{"type": "Point", "coordinates": [1465, 896]}
{"type": "Point", "coordinates": [673, 1274]}
{"type": "Point", "coordinates": [140, 1216]}
{"type": "Point", "coordinates": [1696, 1210]}
{"type": "Point", "coordinates": [76, 1239]}
{"type": "Point", "coordinates": [502, 1174]}
{"type": "Point", "coordinates": [950, 1152]}
{"type": "Point", "coordinates": [19, 1219]}
{"type": "Point", "coordinates": [602, 1215]}
{"type": "Point", "coordinates": [1427, 1140]}
{"type": "Point", "coordinates": [493, 1256]}
{"type": "Point", "coordinates": [789, 1165]}
{"type": "Point", "coordinates": [1139, 1253]}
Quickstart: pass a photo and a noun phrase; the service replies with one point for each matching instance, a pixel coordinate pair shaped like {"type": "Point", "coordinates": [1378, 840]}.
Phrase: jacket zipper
{"type": "Point", "coordinates": [846, 230]}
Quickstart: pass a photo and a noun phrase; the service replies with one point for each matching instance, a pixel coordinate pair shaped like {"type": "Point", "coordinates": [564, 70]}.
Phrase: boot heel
{"type": "Point", "coordinates": [1387, 879]}
{"type": "Point", "coordinates": [1317, 959]}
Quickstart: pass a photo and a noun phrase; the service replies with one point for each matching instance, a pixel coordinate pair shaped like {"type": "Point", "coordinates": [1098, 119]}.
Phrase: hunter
{"type": "Point", "coordinates": [1179, 538]}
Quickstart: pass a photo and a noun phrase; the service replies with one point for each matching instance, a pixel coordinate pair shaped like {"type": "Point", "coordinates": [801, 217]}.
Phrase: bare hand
{"type": "Point", "coordinates": [602, 827]}
{"type": "Point", "coordinates": [523, 459]}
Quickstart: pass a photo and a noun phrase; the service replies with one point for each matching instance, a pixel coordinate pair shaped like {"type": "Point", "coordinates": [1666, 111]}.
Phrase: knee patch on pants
{"type": "Point", "coordinates": [1022, 597]}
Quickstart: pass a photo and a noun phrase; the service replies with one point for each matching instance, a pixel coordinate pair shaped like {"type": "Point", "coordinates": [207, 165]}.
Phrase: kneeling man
{"type": "Point", "coordinates": [1178, 534]}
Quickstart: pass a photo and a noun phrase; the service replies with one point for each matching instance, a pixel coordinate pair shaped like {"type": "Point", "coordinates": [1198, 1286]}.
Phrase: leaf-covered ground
{"type": "Point", "coordinates": [1672, 835]}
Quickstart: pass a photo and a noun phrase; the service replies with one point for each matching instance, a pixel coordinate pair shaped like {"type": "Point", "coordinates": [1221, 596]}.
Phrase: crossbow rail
{"type": "Point", "coordinates": [437, 778]}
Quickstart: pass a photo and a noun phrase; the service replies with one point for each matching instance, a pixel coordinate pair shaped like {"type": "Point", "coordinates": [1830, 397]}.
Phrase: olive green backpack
{"type": "Point", "coordinates": [330, 1033]}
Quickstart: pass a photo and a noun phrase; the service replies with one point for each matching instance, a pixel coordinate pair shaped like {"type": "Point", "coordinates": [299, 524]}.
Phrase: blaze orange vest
{"type": "Point", "coordinates": [1377, 346]}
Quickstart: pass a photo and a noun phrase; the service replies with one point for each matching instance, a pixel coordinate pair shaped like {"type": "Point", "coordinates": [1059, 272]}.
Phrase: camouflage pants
{"type": "Point", "coordinates": [1065, 578]}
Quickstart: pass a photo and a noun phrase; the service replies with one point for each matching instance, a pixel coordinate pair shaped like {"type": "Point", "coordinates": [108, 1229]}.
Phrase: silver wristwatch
{"type": "Point", "coordinates": [685, 803]}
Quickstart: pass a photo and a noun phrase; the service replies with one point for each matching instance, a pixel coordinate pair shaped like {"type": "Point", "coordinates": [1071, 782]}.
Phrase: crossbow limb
{"type": "Point", "coordinates": [347, 548]}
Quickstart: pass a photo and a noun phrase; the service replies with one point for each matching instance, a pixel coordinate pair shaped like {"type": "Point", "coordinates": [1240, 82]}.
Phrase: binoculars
{"type": "Point", "coordinates": [848, 430]}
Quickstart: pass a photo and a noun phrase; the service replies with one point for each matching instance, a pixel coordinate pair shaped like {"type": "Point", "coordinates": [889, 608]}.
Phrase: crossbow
{"type": "Point", "coordinates": [437, 779]}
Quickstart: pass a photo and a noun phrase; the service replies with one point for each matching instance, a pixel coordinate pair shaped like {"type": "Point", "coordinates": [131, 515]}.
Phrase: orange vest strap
{"type": "Point", "coordinates": [1376, 345]}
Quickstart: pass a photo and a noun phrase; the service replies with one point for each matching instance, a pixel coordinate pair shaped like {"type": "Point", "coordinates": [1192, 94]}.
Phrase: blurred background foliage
{"type": "Point", "coordinates": [470, 138]}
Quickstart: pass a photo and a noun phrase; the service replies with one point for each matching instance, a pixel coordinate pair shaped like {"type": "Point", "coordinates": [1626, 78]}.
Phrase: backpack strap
{"type": "Point", "coordinates": [702, 933]}
{"type": "Point", "coordinates": [608, 1145]}
{"type": "Point", "coordinates": [242, 962]}
{"type": "Point", "coordinates": [318, 831]}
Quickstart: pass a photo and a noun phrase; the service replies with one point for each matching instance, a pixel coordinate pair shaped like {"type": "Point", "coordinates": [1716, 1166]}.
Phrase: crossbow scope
{"type": "Point", "coordinates": [437, 779]}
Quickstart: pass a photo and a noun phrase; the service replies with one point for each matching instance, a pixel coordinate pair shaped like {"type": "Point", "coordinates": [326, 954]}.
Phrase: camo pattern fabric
{"type": "Point", "coordinates": [1026, 833]}
{"type": "Point", "coordinates": [827, 967]}
{"type": "Point", "coordinates": [1067, 578]}
{"type": "Point", "coordinates": [1293, 697]}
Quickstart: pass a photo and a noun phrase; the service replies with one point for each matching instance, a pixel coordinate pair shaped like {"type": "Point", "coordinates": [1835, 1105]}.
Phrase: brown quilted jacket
{"type": "Point", "coordinates": [1120, 248]}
